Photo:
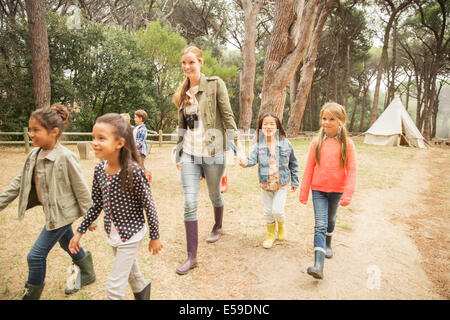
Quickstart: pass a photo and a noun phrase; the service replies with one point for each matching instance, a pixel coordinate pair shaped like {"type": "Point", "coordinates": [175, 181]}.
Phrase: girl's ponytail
{"type": "Point", "coordinates": [344, 137]}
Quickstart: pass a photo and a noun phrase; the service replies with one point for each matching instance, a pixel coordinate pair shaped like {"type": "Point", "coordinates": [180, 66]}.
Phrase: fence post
{"type": "Point", "coordinates": [160, 138]}
{"type": "Point", "coordinates": [25, 138]}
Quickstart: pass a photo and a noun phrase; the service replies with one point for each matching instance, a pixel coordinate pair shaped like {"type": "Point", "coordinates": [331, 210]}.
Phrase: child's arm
{"type": "Point", "coordinates": [79, 186]}
{"type": "Point", "coordinates": [90, 216]}
{"type": "Point", "coordinates": [11, 192]}
{"type": "Point", "coordinates": [307, 174]}
{"type": "Point", "coordinates": [94, 211]}
{"type": "Point", "coordinates": [252, 158]}
{"type": "Point", "coordinates": [350, 177]}
{"type": "Point", "coordinates": [146, 197]}
{"type": "Point", "coordinates": [294, 168]}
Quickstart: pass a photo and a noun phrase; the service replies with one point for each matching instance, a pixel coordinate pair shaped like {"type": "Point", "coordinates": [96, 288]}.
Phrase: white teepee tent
{"type": "Point", "coordinates": [394, 127]}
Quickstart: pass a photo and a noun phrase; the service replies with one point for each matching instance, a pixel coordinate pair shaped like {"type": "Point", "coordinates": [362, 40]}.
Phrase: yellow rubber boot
{"type": "Point", "coordinates": [281, 231]}
{"type": "Point", "coordinates": [268, 242]}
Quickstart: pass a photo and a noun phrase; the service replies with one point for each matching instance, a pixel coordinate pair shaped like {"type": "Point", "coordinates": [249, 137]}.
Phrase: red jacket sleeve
{"type": "Point", "coordinates": [351, 171]}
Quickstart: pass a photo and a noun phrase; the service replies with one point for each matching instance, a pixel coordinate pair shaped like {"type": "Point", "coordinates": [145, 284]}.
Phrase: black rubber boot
{"type": "Point", "coordinates": [192, 245]}
{"type": "Point", "coordinates": [33, 292]}
{"type": "Point", "coordinates": [329, 252]}
{"type": "Point", "coordinates": [317, 270]}
{"type": "Point", "coordinates": [144, 294]}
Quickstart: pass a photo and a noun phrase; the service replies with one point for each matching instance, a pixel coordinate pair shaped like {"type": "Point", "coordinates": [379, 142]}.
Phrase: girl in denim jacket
{"type": "Point", "coordinates": [277, 166]}
{"type": "Point", "coordinates": [51, 177]}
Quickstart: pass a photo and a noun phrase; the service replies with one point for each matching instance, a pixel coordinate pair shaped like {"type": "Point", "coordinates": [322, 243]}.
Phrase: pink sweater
{"type": "Point", "coordinates": [329, 176]}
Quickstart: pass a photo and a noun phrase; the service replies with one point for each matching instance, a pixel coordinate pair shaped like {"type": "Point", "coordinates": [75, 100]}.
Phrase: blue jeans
{"type": "Point", "coordinates": [37, 257]}
{"type": "Point", "coordinates": [325, 205]}
{"type": "Point", "coordinates": [191, 173]}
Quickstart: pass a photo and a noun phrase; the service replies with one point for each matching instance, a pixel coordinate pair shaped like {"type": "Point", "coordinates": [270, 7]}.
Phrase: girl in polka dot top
{"type": "Point", "coordinates": [121, 189]}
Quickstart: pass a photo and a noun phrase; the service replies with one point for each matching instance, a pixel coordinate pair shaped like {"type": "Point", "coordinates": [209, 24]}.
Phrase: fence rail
{"type": "Point", "coordinates": [26, 141]}
{"type": "Point", "coordinates": [160, 137]}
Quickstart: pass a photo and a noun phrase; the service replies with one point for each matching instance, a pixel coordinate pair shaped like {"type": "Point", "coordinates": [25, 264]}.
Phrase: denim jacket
{"type": "Point", "coordinates": [65, 197]}
{"type": "Point", "coordinates": [287, 161]}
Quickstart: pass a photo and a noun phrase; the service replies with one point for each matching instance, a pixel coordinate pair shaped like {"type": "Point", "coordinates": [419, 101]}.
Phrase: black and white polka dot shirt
{"type": "Point", "coordinates": [125, 209]}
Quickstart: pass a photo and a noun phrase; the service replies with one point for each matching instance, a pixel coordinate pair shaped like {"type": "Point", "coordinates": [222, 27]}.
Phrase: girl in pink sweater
{"type": "Point", "coordinates": [330, 173]}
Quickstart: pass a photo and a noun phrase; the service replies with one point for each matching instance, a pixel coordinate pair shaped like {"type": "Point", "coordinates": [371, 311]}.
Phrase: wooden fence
{"type": "Point", "coordinates": [160, 137]}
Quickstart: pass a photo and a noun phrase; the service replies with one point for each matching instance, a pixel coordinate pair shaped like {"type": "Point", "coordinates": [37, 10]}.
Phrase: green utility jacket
{"type": "Point", "coordinates": [216, 113]}
{"type": "Point", "coordinates": [65, 194]}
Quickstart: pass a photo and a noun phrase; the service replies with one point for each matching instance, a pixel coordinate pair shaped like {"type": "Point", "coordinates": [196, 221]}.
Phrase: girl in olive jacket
{"type": "Point", "coordinates": [51, 177]}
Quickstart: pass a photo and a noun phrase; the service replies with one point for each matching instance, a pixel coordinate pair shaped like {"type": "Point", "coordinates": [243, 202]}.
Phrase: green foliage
{"type": "Point", "coordinates": [16, 79]}
{"type": "Point", "coordinates": [94, 70]}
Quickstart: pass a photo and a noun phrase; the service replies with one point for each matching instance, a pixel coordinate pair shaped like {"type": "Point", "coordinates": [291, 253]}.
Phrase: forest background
{"type": "Point", "coordinates": [288, 57]}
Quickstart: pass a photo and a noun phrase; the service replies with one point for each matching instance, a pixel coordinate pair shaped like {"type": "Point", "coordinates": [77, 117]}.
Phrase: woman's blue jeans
{"type": "Point", "coordinates": [191, 173]}
{"type": "Point", "coordinates": [325, 205]}
{"type": "Point", "coordinates": [37, 257]}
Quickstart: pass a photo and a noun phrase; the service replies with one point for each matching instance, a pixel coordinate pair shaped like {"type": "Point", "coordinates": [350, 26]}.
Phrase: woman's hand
{"type": "Point", "coordinates": [154, 246]}
{"type": "Point", "coordinates": [74, 244]}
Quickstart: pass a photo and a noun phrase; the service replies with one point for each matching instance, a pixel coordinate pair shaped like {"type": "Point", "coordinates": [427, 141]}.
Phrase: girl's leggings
{"type": "Point", "coordinates": [274, 204]}
{"type": "Point", "coordinates": [325, 205]}
{"type": "Point", "coordinates": [125, 270]}
{"type": "Point", "coordinates": [37, 257]}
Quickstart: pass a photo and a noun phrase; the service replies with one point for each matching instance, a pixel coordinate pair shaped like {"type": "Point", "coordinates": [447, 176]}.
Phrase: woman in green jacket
{"type": "Point", "coordinates": [205, 126]}
{"type": "Point", "coordinates": [51, 177]}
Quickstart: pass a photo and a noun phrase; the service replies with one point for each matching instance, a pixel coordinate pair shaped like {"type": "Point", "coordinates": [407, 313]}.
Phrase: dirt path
{"type": "Point", "coordinates": [377, 258]}
{"type": "Point", "coordinates": [391, 243]}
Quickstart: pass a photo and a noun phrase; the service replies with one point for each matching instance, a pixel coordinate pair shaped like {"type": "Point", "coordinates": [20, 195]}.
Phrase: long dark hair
{"type": "Point", "coordinates": [281, 134]}
{"type": "Point", "coordinates": [56, 116]}
{"type": "Point", "coordinates": [128, 156]}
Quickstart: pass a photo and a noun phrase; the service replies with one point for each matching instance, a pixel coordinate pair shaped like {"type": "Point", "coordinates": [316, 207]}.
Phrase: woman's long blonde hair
{"type": "Point", "coordinates": [180, 94]}
{"type": "Point", "coordinates": [340, 114]}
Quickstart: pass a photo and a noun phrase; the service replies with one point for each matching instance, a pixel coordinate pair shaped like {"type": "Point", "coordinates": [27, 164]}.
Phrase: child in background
{"type": "Point", "coordinates": [140, 137]}
{"type": "Point", "coordinates": [277, 166]}
{"type": "Point", "coordinates": [121, 190]}
{"type": "Point", "coordinates": [140, 133]}
{"type": "Point", "coordinates": [330, 173]}
{"type": "Point", "coordinates": [52, 178]}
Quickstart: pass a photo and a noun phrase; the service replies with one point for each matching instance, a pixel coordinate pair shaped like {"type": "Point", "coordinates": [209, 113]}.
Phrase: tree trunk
{"type": "Point", "coordinates": [293, 25]}
{"type": "Point", "coordinates": [391, 87]}
{"type": "Point", "coordinates": [358, 99]}
{"type": "Point", "coordinates": [307, 73]}
{"type": "Point", "coordinates": [363, 109]}
{"type": "Point", "coordinates": [40, 59]}
{"type": "Point", "coordinates": [407, 92]}
{"type": "Point", "coordinates": [383, 58]}
{"type": "Point", "coordinates": [247, 79]}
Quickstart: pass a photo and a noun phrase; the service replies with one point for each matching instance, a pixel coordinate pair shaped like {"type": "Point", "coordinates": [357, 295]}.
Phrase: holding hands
{"type": "Point", "coordinates": [74, 244]}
